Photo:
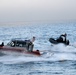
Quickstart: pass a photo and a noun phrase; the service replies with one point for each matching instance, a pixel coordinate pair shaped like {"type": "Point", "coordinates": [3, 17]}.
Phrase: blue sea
{"type": "Point", "coordinates": [55, 59]}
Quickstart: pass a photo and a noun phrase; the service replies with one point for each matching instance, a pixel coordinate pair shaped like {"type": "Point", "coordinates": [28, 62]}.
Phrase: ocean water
{"type": "Point", "coordinates": [55, 60]}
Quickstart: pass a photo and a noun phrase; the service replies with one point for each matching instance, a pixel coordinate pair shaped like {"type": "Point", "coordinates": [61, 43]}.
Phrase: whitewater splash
{"type": "Point", "coordinates": [15, 58]}
{"type": "Point", "coordinates": [58, 52]}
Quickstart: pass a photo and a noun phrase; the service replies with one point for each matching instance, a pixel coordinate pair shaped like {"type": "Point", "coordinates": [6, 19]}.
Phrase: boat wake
{"type": "Point", "coordinates": [58, 52]}
{"type": "Point", "coordinates": [15, 58]}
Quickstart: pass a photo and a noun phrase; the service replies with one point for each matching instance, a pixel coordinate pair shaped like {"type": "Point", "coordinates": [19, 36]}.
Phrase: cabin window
{"type": "Point", "coordinates": [11, 44]}
{"type": "Point", "coordinates": [17, 44]}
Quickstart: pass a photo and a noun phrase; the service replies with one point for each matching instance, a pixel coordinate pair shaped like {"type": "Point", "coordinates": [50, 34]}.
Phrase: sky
{"type": "Point", "coordinates": [37, 10]}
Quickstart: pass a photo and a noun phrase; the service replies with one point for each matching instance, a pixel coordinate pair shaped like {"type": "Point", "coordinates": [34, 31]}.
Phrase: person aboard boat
{"type": "Point", "coordinates": [29, 44]}
{"type": "Point", "coordinates": [62, 38]}
{"type": "Point", "coordinates": [2, 44]}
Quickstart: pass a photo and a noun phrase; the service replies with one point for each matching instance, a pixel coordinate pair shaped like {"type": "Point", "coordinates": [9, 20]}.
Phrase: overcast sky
{"type": "Point", "coordinates": [37, 10]}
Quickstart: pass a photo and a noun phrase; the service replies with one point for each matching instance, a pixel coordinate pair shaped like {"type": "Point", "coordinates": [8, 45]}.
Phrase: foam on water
{"type": "Point", "coordinates": [57, 53]}
{"type": "Point", "coordinates": [64, 48]}
{"type": "Point", "coordinates": [42, 65]}
{"type": "Point", "coordinates": [18, 58]}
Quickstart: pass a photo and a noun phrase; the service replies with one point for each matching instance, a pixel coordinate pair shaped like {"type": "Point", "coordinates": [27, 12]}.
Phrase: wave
{"type": "Point", "coordinates": [58, 52]}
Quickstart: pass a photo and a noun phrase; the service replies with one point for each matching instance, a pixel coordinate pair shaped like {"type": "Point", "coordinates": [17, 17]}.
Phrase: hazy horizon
{"type": "Point", "coordinates": [37, 11]}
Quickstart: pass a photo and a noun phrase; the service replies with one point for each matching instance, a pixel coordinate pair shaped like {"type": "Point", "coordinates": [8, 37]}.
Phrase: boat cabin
{"type": "Point", "coordinates": [17, 43]}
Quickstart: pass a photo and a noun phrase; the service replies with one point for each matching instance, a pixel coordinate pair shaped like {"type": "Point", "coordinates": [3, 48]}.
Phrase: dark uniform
{"type": "Point", "coordinates": [62, 38]}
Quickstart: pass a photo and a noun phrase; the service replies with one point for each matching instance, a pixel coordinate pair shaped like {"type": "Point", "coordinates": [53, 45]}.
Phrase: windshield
{"type": "Point", "coordinates": [17, 44]}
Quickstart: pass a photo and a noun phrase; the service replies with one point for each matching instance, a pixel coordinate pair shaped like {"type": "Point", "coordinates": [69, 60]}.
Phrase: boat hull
{"type": "Point", "coordinates": [53, 41]}
{"type": "Point", "coordinates": [19, 49]}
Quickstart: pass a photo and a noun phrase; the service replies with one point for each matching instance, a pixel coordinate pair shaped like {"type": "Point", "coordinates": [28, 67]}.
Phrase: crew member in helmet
{"type": "Point", "coordinates": [62, 38]}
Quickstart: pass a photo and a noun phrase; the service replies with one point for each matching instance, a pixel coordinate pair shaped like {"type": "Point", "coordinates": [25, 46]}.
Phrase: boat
{"type": "Point", "coordinates": [18, 46]}
{"type": "Point", "coordinates": [54, 41]}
